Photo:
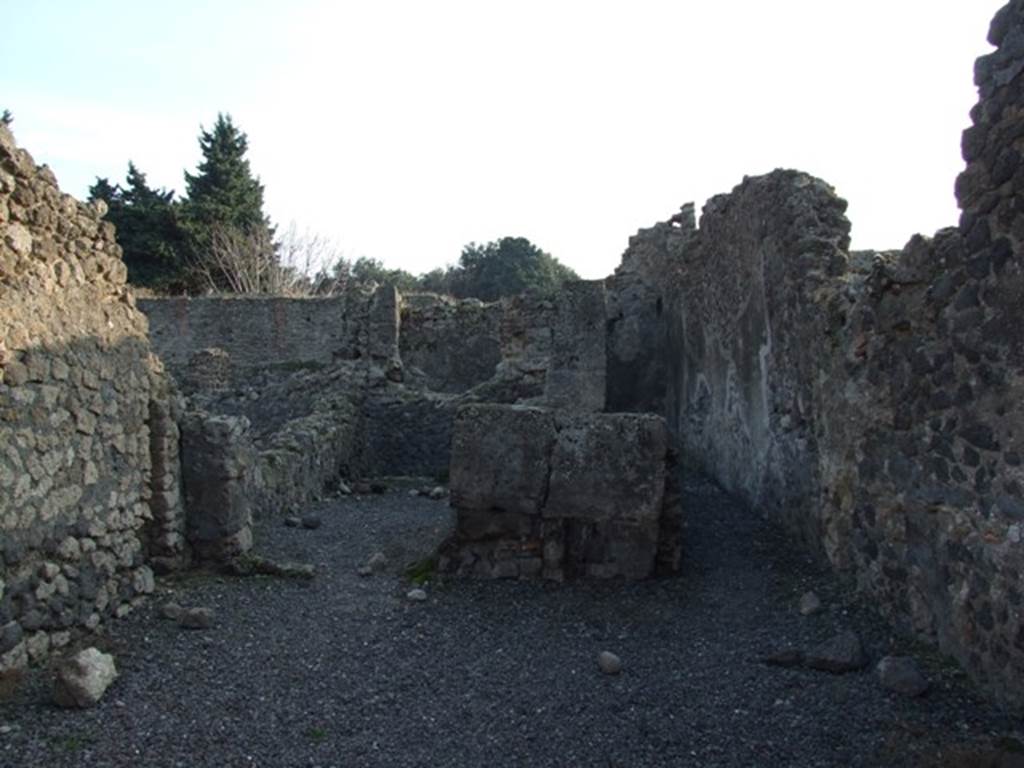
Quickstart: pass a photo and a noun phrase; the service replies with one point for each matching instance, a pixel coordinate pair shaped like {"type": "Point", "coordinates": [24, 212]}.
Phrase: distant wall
{"type": "Point", "coordinates": [257, 331]}
{"type": "Point", "coordinates": [454, 342]}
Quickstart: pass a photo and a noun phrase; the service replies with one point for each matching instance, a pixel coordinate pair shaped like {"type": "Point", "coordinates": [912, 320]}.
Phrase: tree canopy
{"type": "Point", "coordinates": [148, 230]}
{"type": "Point", "coordinates": [506, 267]}
{"type": "Point", "coordinates": [218, 237]}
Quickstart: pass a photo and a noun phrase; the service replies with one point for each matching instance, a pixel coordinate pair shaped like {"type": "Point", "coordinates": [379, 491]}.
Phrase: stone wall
{"type": "Point", "coordinates": [454, 343]}
{"type": "Point", "coordinates": [83, 410]}
{"type": "Point", "coordinates": [257, 330]}
{"type": "Point", "coordinates": [577, 366]}
{"type": "Point", "coordinates": [873, 402]}
{"type": "Point", "coordinates": [636, 331]}
{"type": "Point", "coordinates": [746, 334]}
{"type": "Point", "coordinates": [407, 433]}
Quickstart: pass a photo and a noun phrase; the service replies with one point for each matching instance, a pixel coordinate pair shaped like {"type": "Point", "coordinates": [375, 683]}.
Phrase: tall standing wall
{"type": "Point", "coordinates": [874, 403]}
{"type": "Point", "coordinates": [79, 390]}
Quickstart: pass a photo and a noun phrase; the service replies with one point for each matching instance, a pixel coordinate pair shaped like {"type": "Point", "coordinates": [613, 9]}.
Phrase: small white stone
{"type": "Point", "coordinates": [810, 603]}
{"type": "Point", "coordinates": [416, 595]}
{"type": "Point", "coordinates": [82, 680]}
{"type": "Point", "coordinates": [609, 663]}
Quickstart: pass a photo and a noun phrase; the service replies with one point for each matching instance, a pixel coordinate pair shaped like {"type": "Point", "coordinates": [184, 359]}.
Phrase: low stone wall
{"type": "Point", "coordinates": [80, 421]}
{"type": "Point", "coordinates": [309, 454]}
{"type": "Point", "coordinates": [558, 494]}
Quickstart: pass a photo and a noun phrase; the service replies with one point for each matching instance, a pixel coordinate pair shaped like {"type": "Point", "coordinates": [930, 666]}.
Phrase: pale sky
{"type": "Point", "coordinates": [404, 129]}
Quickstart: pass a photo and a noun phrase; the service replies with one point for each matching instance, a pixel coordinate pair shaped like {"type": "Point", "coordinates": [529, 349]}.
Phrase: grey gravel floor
{"type": "Point", "coordinates": [344, 671]}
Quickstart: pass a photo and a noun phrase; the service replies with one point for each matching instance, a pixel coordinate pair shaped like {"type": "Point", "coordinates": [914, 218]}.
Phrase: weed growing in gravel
{"type": "Point", "coordinates": [316, 734]}
{"type": "Point", "coordinates": [72, 743]}
{"type": "Point", "coordinates": [421, 571]}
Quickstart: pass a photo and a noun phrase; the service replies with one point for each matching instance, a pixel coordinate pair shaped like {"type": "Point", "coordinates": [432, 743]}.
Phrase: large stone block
{"type": "Point", "coordinates": [500, 458]}
{"type": "Point", "coordinates": [559, 494]}
{"type": "Point", "coordinates": [608, 467]}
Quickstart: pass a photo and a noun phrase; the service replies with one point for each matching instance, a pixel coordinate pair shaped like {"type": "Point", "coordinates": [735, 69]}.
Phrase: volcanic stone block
{"type": "Point", "coordinates": [500, 457]}
{"type": "Point", "coordinates": [560, 494]}
{"type": "Point", "coordinates": [608, 466]}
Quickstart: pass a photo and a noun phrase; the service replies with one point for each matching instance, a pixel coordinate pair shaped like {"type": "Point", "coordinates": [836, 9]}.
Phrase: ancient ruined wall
{"type": "Point", "coordinates": [78, 393]}
{"type": "Point", "coordinates": [455, 343]}
{"type": "Point", "coordinates": [746, 334]}
{"type": "Point", "coordinates": [636, 329]}
{"type": "Point", "coordinates": [873, 402]}
{"type": "Point", "coordinates": [258, 331]}
{"type": "Point", "coordinates": [407, 433]}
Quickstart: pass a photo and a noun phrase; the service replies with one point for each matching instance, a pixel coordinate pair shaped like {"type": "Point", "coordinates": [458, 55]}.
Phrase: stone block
{"type": "Point", "coordinates": [608, 467]}
{"type": "Point", "coordinates": [559, 494]}
{"type": "Point", "coordinates": [500, 459]}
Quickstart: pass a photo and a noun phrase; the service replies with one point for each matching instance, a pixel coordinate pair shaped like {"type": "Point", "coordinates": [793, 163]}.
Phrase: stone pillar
{"type": "Point", "coordinates": [578, 367]}
{"type": "Point", "coordinates": [384, 323]}
{"type": "Point", "coordinates": [167, 546]}
{"type": "Point", "coordinates": [218, 465]}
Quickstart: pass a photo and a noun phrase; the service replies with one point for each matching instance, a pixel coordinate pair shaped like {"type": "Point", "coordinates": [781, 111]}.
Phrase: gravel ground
{"type": "Point", "coordinates": [345, 671]}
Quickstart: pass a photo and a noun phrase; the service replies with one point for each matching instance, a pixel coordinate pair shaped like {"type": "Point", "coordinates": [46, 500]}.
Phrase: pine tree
{"type": "Point", "coordinates": [223, 196]}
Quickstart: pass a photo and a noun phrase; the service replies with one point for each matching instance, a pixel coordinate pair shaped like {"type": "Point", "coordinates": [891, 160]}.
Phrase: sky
{"type": "Point", "coordinates": [404, 129]}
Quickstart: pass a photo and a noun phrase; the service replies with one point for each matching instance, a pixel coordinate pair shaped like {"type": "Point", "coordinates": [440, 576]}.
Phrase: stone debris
{"type": "Point", "coordinates": [311, 522]}
{"type": "Point", "coordinates": [900, 674]}
{"type": "Point", "coordinates": [609, 663]}
{"type": "Point", "coordinates": [292, 521]}
{"type": "Point", "coordinates": [416, 595]}
{"type": "Point", "coordinates": [843, 653]}
{"type": "Point", "coordinates": [171, 611]}
{"type": "Point", "coordinates": [377, 562]}
{"type": "Point", "coordinates": [255, 565]}
{"type": "Point", "coordinates": [81, 680]}
{"type": "Point", "coordinates": [437, 493]}
{"type": "Point", "coordinates": [196, 618]}
{"type": "Point", "coordinates": [810, 604]}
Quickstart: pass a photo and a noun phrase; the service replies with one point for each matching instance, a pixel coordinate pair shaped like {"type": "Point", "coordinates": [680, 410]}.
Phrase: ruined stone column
{"type": "Point", "coordinates": [219, 475]}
